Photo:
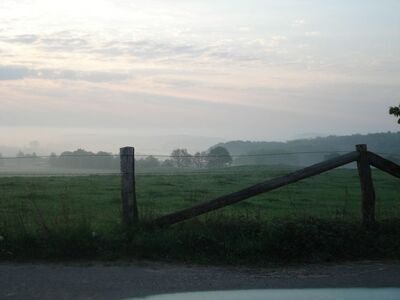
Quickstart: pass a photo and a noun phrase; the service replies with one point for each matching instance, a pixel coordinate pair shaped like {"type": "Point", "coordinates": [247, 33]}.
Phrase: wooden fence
{"type": "Point", "coordinates": [362, 156]}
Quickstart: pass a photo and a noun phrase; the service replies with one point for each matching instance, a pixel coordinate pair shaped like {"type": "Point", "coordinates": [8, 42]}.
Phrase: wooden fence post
{"type": "Point", "coordinates": [367, 187]}
{"type": "Point", "coordinates": [128, 188]}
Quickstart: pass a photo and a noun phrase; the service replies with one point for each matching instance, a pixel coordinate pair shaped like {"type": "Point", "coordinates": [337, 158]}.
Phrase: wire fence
{"type": "Point", "coordinates": [71, 164]}
{"type": "Point", "coordinates": [76, 186]}
{"type": "Point", "coordinates": [107, 164]}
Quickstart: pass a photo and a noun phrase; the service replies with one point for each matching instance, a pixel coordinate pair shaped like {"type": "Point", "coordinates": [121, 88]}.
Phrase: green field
{"type": "Point", "coordinates": [315, 220]}
{"type": "Point", "coordinates": [47, 201]}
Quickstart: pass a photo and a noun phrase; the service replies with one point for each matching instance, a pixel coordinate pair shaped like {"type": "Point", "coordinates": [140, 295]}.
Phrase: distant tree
{"type": "Point", "coordinates": [181, 158]}
{"type": "Point", "coordinates": [32, 159]}
{"type": "Point", "coordinates": [168, 163]}
{"type": "Point", "coordinates": [200, 159]}
{"type": "Point", "coordinates": [20, 161]}
{"type": "Point", "coordinates": [33, 155]}
{"type": "Point", "coordinates": [1, 160]}
{"type": "Point", "coordinates": [395, 111]}
{"type": "Point", "coordinates": [66, 160]}
{"type": "Point", "coordinates": [81, 159]}
{"type": "Point", "coordinates": [148, 162]}
{"type": "Point", "coordinates": [103, 160]}
{"type": "Point", "coordinates": [53, 160]}
{"type": "Point", "coordinates": [78, 159]}
{"type": "Point", "coordinates": [218, 157]}
{"type": "Point", "coordinates": [152, 162]}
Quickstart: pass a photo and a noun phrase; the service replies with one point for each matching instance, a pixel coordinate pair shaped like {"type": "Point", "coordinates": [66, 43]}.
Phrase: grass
{"type": "Point", "coordinates": [316, 219]}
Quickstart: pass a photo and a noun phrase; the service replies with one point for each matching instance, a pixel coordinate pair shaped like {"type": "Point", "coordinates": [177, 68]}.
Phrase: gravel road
{"type": "Point", "coordinates": [124, 280]}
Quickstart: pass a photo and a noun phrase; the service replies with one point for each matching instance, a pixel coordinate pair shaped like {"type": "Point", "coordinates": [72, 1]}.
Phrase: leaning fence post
{"type": "Point", "coordinates": [367, 187]}
{"type": "Point", "coordinates": [128, 189]}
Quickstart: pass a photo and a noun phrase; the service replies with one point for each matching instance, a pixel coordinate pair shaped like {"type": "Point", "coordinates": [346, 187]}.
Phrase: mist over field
{"type": "Point", "coordinates": [110, 142]}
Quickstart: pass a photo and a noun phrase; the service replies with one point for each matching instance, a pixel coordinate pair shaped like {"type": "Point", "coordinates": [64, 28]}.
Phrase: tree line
{"type": "Point", "coordinates": [179, 158]}
{"type": "Point", "coordinates": [308, 151]}
{"type": "Point", "coordinates": [217, 157]}
{"type": "Point", "coordinates": [301, 152]}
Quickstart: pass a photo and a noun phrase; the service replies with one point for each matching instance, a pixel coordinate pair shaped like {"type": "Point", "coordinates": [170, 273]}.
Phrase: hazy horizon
{"type": "Point", "coordinates": [102, 74]}
{"type": "Point", "coordinates": [145, 145]}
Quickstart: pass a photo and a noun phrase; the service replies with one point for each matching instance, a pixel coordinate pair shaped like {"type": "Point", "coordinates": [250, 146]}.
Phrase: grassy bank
{"type": "Point", "coordinates": [237, 242]}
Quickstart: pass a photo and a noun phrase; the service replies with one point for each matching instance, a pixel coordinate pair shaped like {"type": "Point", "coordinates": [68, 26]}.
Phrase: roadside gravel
{"type": "Point", "coordinates": [124, 280]}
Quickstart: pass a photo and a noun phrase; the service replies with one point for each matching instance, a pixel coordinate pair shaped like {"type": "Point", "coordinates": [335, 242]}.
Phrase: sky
{"type": "Point", "coordinates": [100, 74]}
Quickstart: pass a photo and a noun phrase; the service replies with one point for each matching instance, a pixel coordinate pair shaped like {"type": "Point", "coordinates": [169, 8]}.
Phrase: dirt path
{"type": "Point", "coordinates": [118, 281]}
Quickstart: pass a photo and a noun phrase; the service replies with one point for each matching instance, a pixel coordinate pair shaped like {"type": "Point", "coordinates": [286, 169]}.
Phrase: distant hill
{"type": "Point", "coordinates": [388, 142]}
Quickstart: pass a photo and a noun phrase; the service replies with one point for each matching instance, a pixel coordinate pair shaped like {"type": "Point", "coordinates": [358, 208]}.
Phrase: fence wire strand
{"type": "Point", "coordinates": [177, 156]}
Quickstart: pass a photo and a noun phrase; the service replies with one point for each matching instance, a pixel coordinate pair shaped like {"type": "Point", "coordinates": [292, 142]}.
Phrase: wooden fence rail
{"type": "Point", "coordinates": [384, 164]}
{"type": "Point", "coordinates": [362, 156]}
{"type": "Point", "coordinates": [257, 189]}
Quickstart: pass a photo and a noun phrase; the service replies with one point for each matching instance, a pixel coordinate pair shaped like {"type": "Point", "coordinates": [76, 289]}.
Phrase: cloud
{"type": "Point", "coordinates": [14, 72]}
{"type": "Point", "coordinates": [245, 29]}
{"type": "Point", "coordinates": [312, 33]}
{"type": "Point", "coordinates": [64, 41]}
{"type": "Point", "coordinates": [20, 72]}
{"type": "Point", "coordinates": [70, 41]}
{"type": "Point", "coordinates": [298, 23]}
{"type": "Point", "coordinates": [171, 51]}
{"type": "Point", "coordinates": [149, 49]}
{"type": "Point", "coordinates": [91, 76]}
{"type": "Point", "coordinates": [70, 44]}
{"type": "Point", "coordinates": [22, 39]}
{"type": "Point", "coordinates": [50, 49]}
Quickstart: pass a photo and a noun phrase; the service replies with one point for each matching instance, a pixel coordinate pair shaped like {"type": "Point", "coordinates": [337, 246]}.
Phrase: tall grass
{"type": "Point", "coordinates": [217, 242]}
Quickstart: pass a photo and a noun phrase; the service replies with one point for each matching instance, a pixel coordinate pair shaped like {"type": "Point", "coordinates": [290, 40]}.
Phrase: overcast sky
{"type": "Point", "coordinates": [95, 73]}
